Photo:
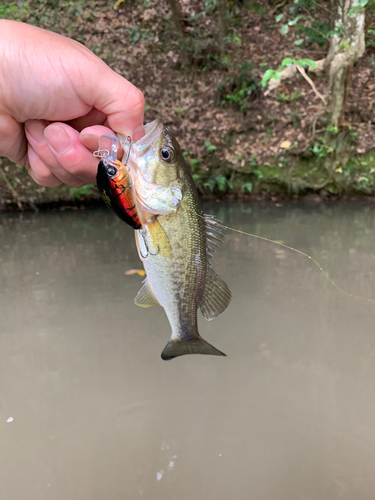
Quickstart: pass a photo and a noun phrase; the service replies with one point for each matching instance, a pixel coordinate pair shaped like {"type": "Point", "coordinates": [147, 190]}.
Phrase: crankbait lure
{"type": "Point", "coordinates": [114, 181]}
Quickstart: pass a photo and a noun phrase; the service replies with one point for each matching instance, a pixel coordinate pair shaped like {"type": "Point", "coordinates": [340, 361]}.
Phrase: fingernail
{"type": "Point", "coordinates": [87, 136]}
{"type": "Point", "coordinates": [35, 128]}
{"type": "Point", "coordinates": [58, 139]}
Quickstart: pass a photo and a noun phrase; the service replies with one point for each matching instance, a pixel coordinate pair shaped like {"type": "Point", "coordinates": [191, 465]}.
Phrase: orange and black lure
{"type": "Point", "coordinates": [115, 186]}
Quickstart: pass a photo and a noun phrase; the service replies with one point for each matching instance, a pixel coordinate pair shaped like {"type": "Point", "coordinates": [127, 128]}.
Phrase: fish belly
{"type": "Point", "coordinates": [178, 280]}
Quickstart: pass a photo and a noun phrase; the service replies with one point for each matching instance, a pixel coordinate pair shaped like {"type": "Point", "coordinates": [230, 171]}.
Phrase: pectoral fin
{"type": "Point", "coordinates": [216, 296]}
{"type": "Point", "coordinates": [158, 238]}
{"type": "Point", "coordinates": [146, 297]}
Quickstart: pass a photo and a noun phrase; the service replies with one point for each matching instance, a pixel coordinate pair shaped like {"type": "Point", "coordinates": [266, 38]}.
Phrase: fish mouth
{"type": "Point", "coordinates": [153, 130]}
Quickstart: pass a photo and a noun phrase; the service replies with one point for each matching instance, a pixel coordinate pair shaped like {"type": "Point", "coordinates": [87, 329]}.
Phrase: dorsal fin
{"type": "Point", "coordinates": [214, 234]}
{"type": "Point", "coordinates": [216, 296]}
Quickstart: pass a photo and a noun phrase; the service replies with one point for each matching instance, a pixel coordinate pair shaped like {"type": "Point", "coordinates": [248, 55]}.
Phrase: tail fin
{"type": "Point", "coordinates": [197, 345]}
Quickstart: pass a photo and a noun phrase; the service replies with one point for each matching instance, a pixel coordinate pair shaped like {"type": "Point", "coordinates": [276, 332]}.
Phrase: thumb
{"type": "Point", "coordinates": [120, 100]}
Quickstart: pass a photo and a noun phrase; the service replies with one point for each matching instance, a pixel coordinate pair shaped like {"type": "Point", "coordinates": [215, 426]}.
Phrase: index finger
{"type": "Point", "coordinates": [121, 101]}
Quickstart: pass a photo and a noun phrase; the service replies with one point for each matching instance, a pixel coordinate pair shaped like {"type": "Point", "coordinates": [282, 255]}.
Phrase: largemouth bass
{"type": "Point", "coordinates": [175, 243]}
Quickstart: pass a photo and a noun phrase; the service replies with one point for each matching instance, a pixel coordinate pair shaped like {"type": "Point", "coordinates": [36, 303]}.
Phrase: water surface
{"type": "Point", "coordinates": [288, 415]}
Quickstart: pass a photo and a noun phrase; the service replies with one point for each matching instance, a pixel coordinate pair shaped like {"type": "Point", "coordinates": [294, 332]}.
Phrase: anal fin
{"type": "Point", "coordinates": [146, 297]}
{"type": "Point", "coordinates": [216, 296]}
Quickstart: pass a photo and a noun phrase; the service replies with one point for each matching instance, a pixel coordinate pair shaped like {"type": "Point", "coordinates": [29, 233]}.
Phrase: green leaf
{"type": "Point", "coordinates": [279, 17]}
{"type": "Point", "coordinates": [357, 8]}
{"type": "Point", "coordinates": [210, 184]}
{"type": "Point", "coordinates": [267, 77]}
{"type": "Point", "coordinates": [298, 42]}
{"type": "Point", "coordinates": [306, 62]}
{"type": "Point", "coordinates": [284, 29]}
{"type": "Point", "coordinates": [222, 182]}
{"type": "Point", "coordinates": [210, 147]}
{"type": "Point", "coordinates": [247, 186]}
{"type": "Point", "coordinates": [295, 20]}
{"type": "Point", "coordinates": [288, 61]}
{"type": "Point", "coordinates": [78, 192]}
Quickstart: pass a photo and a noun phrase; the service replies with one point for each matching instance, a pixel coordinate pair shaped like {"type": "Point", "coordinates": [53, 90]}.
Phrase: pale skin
{"type": "Point", "coordinates": [56, 99]}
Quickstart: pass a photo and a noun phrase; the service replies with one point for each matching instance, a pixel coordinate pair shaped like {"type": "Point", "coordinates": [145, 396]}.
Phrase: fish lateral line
{"type": "Point", "coordinates": [325, 274]}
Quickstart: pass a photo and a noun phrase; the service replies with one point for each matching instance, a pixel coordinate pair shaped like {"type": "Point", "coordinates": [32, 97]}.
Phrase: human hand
{"type": "Point", "coordinates": [51, 88]}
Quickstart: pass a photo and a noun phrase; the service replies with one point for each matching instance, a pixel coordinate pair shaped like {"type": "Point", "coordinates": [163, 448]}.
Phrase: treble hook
{"type": "Point", "coordinates": [143, 233]}
{"type": "Point", "coordinates": [128, 139]}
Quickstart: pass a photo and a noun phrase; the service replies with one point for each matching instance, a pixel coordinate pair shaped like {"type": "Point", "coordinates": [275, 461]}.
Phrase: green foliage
{"type": "Point", "coordinates": [221, 182]}
{"type": "Point", "coordinates": [247, 186]}
{"type": "Point", "coordinates": [194, 163]}
{"type": "Point", "coordinates": [80, 192]}
{"type": "Point", "coordinates": [138, 33]}
{"type": "Point", "coordinates": [204, 179]}
{"type": "Point", "coordinates": [288, 61]}
{"type": "Point", "coordinates": [204, 53]}
{"type": "Point", "coordinates": [17, 11]}
{"type": "Point", "coordinates": [210, 7]}
{"type": "Point", "coordinates": [240, 88]}
{"type": "Point", "coordinates": [357, 8]}
{"type": "Point", "coordinates": [233, 38]}
{"type": "Point", "coordinates": [284, 97]}
{"type": "Point", "coordinates": [321, 148]}
{"type": "Point", "coordinates": [370, 39]}
{"type": "Point", "coordinates": [326, 144]}
{"type": "Point", "coordinates": [210, 148]}
{"type": "Point", "coordinates": [304, 23]}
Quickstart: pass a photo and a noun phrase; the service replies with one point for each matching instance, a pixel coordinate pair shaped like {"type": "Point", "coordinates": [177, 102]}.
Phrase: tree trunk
{"type": "Point", "coordinates": [347, 46]}
{"type": "Point", "coordinates": [176, 15]}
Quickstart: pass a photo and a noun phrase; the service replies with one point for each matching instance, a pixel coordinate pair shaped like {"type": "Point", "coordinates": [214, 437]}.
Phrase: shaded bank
{"type": "Point", "coordinates": [326, 178]}
{"type": "Point", "coordinates": [239, 140]}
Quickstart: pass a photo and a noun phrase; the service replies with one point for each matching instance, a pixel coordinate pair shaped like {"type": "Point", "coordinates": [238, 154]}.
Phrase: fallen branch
{"type": "Point", "coordinates": [290, 72]}
{"type": "Point", "coordinates": [11, 189]}
{"type": "Point", "coordinates": [311, 83]}
{"type": "Point", "coordinates": [285, 74]}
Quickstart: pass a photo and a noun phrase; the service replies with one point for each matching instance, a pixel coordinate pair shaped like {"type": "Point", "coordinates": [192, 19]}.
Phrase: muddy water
{"type": "Point", "coordinates": [288, 415]}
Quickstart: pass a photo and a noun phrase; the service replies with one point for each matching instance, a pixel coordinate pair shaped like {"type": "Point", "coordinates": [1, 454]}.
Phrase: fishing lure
{"type": "Point", "coordinates": [115, 183]}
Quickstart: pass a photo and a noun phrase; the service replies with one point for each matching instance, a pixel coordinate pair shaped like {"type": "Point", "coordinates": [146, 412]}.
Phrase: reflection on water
{"type": "Point", "coordinates": [289, 414]}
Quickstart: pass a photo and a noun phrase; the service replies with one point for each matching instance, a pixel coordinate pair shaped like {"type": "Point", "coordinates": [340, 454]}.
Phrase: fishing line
{"type": "Point", "coordinates": [352, 295]}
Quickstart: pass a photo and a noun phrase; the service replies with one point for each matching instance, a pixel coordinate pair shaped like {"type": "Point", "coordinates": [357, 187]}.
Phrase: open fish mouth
{"type": "Point", "coordinates": [153, 130]}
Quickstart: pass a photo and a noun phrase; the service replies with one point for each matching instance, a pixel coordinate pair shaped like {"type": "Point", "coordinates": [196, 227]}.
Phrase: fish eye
{"type": "Point", "coordinates": [112, 171]}
{"type": "Point", "coordinates": [166, 154]}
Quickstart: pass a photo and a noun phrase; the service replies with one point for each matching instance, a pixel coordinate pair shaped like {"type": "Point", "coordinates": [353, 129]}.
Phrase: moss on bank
{"type": "Point", "coordinates": [286, 176]}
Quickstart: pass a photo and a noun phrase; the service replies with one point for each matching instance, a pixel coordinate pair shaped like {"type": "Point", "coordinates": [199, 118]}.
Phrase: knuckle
{"type": "Point", "coordinates": [137, 98]}
{"type": "Point", "coordinates": [40, 172]}
{"type": "Point", "coordinates": [45, 180]}
{"type": "Point", "coordinates": [77, 183]}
